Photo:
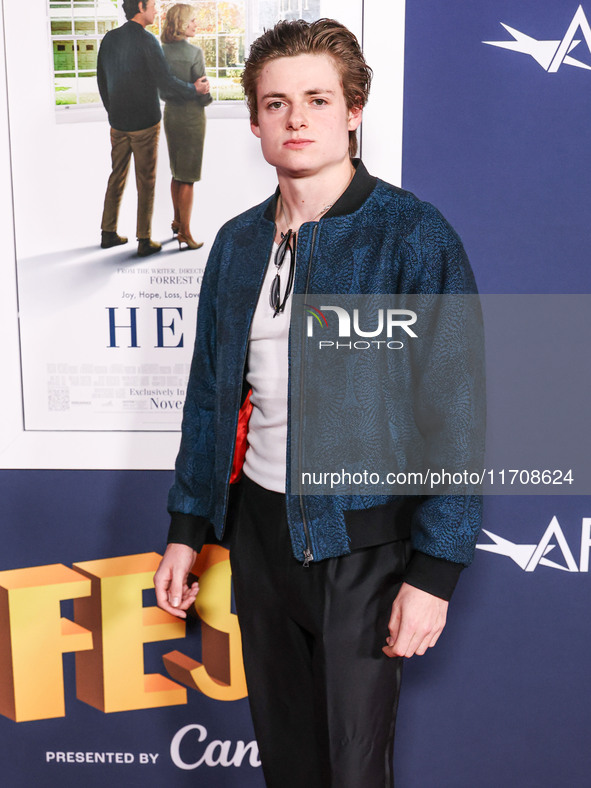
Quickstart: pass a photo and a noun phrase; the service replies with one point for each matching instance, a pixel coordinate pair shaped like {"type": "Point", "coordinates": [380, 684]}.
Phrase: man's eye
{"type": "Point", "coordinates": [275, 105]}
{"type": "Point", "coordinates": [319, 101]}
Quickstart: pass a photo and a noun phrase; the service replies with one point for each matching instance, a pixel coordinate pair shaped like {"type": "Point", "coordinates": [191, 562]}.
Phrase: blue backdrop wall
{"type": "Point", "coordinates": [498, 140]}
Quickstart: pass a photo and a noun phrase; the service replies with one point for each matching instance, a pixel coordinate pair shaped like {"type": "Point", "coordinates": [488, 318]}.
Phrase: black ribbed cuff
{"type": "Point", "coordinates": [434, 575]}
{"type": "Point", "coordinates": [189, 529]}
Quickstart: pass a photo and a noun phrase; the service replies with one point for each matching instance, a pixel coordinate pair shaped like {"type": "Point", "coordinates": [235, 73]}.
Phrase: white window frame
{"type": "Point", "coordinates": [77, 39]}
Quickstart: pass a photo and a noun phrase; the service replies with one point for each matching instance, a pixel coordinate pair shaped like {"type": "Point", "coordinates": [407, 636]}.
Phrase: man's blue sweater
{"type": "Point", "coordinates": [131, 68]}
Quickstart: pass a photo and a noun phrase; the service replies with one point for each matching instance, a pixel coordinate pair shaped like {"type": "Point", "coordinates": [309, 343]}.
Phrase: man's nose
{"type": "Point", "coordinates": [296, 118]}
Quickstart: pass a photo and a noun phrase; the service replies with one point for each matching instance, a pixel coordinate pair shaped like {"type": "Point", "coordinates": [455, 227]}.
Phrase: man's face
{"type": "Point", "coordinates": [303, 120]}
{"type": "Point", "coordinates": [148, 11]}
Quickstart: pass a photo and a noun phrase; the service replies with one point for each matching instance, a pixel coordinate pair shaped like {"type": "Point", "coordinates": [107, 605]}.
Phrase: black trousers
{"type": "Point", "coordinates": [322, 694]}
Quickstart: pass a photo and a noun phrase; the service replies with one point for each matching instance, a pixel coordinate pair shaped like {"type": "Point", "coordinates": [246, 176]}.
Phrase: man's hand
{"type": "Point", "coordinates": [202, 85]}
{"type": "Point", "coordinates": [173, 594]}
{"type": "Point", "coordinates": [416, 622]}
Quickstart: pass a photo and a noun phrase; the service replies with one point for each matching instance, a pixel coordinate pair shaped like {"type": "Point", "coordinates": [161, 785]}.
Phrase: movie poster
{"type": "Point", "coordinates": [105, 337]}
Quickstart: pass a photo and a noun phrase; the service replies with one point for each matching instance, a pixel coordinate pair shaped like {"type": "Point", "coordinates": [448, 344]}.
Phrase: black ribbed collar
{"type": "Point", "coordinates": [361, 186]}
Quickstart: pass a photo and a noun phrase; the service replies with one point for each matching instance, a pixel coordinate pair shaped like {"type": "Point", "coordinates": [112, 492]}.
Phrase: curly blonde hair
{"type": "Point", "coordinates": [178, 17]}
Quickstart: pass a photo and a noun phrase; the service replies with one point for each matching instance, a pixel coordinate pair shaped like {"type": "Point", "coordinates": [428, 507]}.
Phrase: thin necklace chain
{"type": "Point", "coordinates": [320, 212]}
{"type": "Point", "coordinates": [313, 219]}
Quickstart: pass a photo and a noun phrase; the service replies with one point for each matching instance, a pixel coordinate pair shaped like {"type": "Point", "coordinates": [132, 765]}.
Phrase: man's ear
{"type": "Point", "coordinates": [255, 129]}
{"type": "Point", "coordinates": [355, 117]}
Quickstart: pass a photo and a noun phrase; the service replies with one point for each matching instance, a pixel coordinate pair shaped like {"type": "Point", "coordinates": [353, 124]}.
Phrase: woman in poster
{"type": "Point", "coordinates": [184, 122]}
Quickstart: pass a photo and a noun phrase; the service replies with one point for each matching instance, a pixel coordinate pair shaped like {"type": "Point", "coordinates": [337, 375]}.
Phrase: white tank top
{"type": "Point", "coordinates": [265, 460]}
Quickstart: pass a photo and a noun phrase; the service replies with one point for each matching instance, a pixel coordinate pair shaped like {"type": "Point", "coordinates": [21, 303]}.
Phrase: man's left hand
{"type": "Point", "coordinates": [416, 622]}
{"type": "Point", "coordinates": [202, 85]}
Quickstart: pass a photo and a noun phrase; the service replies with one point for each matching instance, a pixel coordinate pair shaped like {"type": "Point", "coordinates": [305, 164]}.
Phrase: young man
{"type": "Point", "coordinates": [130, 70]}
{"type": "Point", "coordinates": [330, 591]}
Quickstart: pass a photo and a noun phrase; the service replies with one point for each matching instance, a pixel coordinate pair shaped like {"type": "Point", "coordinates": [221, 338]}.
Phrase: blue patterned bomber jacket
{"type": "Point", "coordinates": [376, 238]}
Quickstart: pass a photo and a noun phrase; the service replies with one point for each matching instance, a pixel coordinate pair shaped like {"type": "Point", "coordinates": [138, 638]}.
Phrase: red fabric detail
{"type": "Point", "coordinates": [241, 442]}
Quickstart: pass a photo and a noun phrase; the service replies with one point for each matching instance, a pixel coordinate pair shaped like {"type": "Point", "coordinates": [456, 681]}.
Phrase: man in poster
{"type": "Point", "coordinates": [319, 581]}
{"type": "Point", "coordinates": [130, 70]}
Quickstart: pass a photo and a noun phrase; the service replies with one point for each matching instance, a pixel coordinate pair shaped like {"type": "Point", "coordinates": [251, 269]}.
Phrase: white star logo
{"type": "Point", "coordinates": [520, 553]}
{"type": "Point", "coordinates": [529, 556]}
{"type": "Point", "coordinates": [550, 54]}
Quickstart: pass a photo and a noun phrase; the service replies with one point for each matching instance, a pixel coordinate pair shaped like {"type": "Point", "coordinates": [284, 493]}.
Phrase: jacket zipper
{"type": "Point", "coordinates": [308, 555]}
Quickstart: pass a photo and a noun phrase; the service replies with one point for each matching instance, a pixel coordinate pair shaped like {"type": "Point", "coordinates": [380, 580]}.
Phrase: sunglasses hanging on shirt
{"type": "Point", "coordinates": [287, 246]}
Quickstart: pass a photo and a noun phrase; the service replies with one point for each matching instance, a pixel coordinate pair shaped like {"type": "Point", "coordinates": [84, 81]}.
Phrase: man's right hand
{"type": "Point", "coordinates": [202, 85]}
{"type": "Point", "coordinates": [173, 594]}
